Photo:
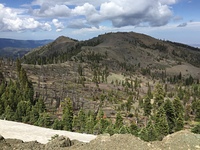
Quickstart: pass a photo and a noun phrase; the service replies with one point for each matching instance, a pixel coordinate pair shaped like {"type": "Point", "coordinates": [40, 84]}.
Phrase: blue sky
{"type": "Point", "coordinates": [175, 20]}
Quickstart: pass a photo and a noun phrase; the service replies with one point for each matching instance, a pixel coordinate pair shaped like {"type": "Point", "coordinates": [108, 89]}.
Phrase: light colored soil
{"type": "Point", "coordinates": [25, 132]}
{"type": "Point", "coordinates": [185, 69]}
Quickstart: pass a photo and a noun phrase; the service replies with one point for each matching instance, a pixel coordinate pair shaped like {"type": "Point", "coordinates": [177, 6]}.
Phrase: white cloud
{"type": "Point", "coordinates": [47, 10]}
{"type": "Point", "coordinates": [59, 26]}
{"type": "Point", "coordinates": [87, 13]}
{"type": "Point", "coordinates": [119, 12]}
{"type": "Point", "coordinates": [169, 2]}
{"type": "Point", "coordinates": [95, 3]}
{"type": "Point", "coordinates": [11, 20]}
{"type": "Point", "coordinates": [86, 9]}
{"type": "Point", "coordinates": [135, 13]}
{"type": "Point", "coordinates": [78, 24]}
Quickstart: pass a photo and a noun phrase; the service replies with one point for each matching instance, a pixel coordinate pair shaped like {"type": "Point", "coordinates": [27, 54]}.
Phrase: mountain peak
{"type": "Point", "coordinates": [64, 39]}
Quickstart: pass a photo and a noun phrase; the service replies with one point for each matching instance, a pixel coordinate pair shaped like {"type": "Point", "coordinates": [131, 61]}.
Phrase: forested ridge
{"type": "Point", "coordinates": [90, 90]}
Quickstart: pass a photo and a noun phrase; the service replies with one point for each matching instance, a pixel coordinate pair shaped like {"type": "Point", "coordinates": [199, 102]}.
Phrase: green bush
{"type": "Point", "coordinates": [196, 128]}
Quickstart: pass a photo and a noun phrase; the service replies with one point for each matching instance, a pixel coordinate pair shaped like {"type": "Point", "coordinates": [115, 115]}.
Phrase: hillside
{"type": "Point", "coordinates": [131, 47]}
{"type": "Point", "coordinates": [17, 48]}
{"type": "Point", "coordinates": [114, 83]}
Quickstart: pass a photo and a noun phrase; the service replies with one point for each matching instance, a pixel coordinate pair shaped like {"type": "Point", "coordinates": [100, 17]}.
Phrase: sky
{"type": "Point", "coordinates": [174, 20]}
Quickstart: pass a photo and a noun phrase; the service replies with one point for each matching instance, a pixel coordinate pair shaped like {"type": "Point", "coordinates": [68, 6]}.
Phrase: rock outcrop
{"type": "Point", "coordinates": [182, 140]}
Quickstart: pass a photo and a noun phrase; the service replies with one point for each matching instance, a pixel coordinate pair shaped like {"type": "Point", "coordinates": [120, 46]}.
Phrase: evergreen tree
{"type": "Point", "coordinates": [110, 129]}
{"type": "Point", "coordinates": [19, 66]}
{"type": "Point", "coordinates": [180, 93]}
{"type": "Point", "coordinates": [104, 124]}
{"type": "Point", "coordinates": [143, 134]}
{"type": "Point", "coordinates": [124, 130]}
{"type": "Point", "coordinates": [161, 123]}
{"type": "Point", "coordinates": [1, 108]}
{"type": "Point", "coordinates": [119, 121]}
{"type": "Point", "coordinates": [158, 96]}
{"type": "Point", "coordinates": [149, 93]}
{"type": "Point", "coordinates": [80, 70]}
{"type": "Point", "coordinates": [40, 105]}
{"type": "Point", "coordinates": [67, 117]}
{"type": "Point", "coordinates": [170, 113]}
{"type": "Point", "coordinates": [57, 125]}
{"type": "Point", "coordinates": [97, 128]}
{"type": "Point", "coordinates": [22, 111]}
{"type": "Point", "coordinates": [80, 121]}
{"type": "Point", "coordinates": [44, 120]}
{"type": "Point", "coordinates": [196, 129]}
{"type": "Point", "coordinates": [90, 122]}
{"type": "Point", "coordinates": [179, 117]}
{"type": "Point", "coordinates": [129, 103]}
{"type": "Point", "coordinates": [147, 106]}
{"type": "Point", "coordinates": [34, 115]}
{"type": "Point", "coordinates": [197, 111]}
{"type": "Point", "coordinates": [134, 129]}
{"type": "Point", "coordinates": [151, 132]}
{"type": "Point", "coordinates": [9, 113]}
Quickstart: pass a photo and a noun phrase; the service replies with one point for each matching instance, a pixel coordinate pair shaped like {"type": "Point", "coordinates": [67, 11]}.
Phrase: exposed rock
{"type": "Point", "coordinates": [1, 137]}
{"type": "Point", "coordinates": [182, 140]}
{"type": "Point", "coordinates": [34, 145]}
{"type": "Point", "coordinates": [3, 144]}
{"type": "Point", "coordinates": [59, 143]}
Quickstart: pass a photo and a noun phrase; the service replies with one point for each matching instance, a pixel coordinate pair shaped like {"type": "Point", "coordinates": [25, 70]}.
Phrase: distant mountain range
{"type": "Point", "coordinates": [17, 48]}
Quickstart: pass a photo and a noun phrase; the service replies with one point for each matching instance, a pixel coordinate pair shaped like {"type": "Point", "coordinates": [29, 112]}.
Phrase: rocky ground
{"type": "Point", "coordinates": [183, 140]}
{"type": "Point", "coordinates": [20, 136]}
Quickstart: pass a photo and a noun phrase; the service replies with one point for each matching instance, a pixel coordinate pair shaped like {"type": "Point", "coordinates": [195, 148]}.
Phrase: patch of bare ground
{"type": "Point", "coordinates": [182, 140]}
{"type": "Point", "coordinates": [185, 69]}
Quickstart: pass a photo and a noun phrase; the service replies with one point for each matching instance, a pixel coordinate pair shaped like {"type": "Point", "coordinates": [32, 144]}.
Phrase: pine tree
{"type": "Point", "coordinates": [22, 111]}
{"type": "Point", "coordinates": [151, 132]}
{"type": "Point", "coordinates": [149, 93]}
{"type": "Point", "coordinates": [161, 123]}
{"type": "Point", "coordinates": [179, 117]}
{"type": "Point", "coordinates": [80, 70]}
{"type": "Point", "coordinates": [90, 122]}
{"type": "Point", "coordinates": [134, 129]}
{"type": "Point", "coordinates": [119, 121]}
{"type": "Point", "coordinates": [44, 120]}
{"type": "Point", "coordinates": [129, 103]}
{"type": "Point", "coordinates": [80, 122]}
{"type": "Point", "coordinates": [170, 113]}
{"type": "Point", "coordinates": [143, 134]}
{"type": "Point", "coordinates": [196, 129]}
{"type": "Point", "coordinates": [197, 112]}
{"type": "Point", "coordinates": [124, 130]}
{"type": "Point", "coordinates": [9, 113]}
{"type": "Point", "coordinates": [110, 129]}
{"type": "Point", "coordinates": [67, 117]}
{"type": "Point", "coordinates": [19, 66]}
{"type": "Point", "coordinates": [34, 115]}
{"type": "Point", "coordinates": [147, 106]}
{"type": "Point", "coordinates": [158, 96]}
{"type": "Point", "coordinates": [57, 125]}
{"type": "Point", "coordinates": [97, 128]}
